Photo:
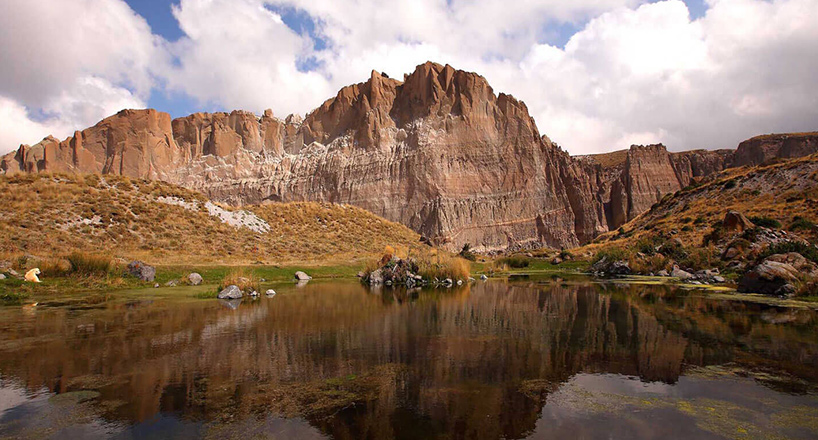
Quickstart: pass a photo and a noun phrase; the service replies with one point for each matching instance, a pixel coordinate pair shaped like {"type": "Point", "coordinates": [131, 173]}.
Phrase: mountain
{"type": "Point", "coordinates": [439, 152]}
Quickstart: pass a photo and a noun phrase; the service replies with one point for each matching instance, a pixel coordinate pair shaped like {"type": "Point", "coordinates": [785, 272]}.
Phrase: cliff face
{"type": "Point", "coordinates": [757, 150]}
{"type": "Point", "coordinates": [633, 180]}
{"type": "Point", "coordinates": [438, 152]}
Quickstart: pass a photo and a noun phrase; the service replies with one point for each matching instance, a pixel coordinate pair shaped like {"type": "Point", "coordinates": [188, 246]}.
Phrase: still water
{"type": "Point", "coordinates": [534, 359]}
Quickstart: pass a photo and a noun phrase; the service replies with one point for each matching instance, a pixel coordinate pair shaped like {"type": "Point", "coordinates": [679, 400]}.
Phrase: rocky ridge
{"type": "Point", "coordinates": [439, 152]}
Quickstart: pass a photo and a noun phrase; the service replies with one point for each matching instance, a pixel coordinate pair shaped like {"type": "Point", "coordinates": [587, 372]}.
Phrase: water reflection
{"type": "Point", "coordinates": [492, 360]}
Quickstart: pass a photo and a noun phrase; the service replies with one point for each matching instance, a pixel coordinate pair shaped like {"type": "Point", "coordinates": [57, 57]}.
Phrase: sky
{"type": "Point", "coordinates": [596, 75]}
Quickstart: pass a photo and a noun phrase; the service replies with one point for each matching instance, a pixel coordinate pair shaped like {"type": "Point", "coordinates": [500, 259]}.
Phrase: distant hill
{"type": "Point", "coordinates": [782, 191]}
{"type": "Point", "coordinates": [54, 214]}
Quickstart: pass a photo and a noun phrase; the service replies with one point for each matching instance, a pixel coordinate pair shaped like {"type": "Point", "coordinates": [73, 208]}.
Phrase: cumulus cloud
{"type": "Point", "coordinates": [634, 72]}
{"type": "Point", "coordinates": [69, 63]}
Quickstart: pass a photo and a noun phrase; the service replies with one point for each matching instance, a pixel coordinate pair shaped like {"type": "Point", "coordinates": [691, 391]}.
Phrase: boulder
{"type": "Point", "coordinates": [376, 277]}
{"type": "Point", "coordinates": [618, 267]}
{"type": "Point", "coordinates": [301, 276]}
{"type": "Point", "coordinates": [141, 270]}
{"type": "Point", "coordinates": [231, 292]}
{"type": "Point", "coordinates": [769, 277]}
{"type": "Point", "coordinates": [735, 221]}
{"type": "Point", "coordinates": [194, 279]}
{"type": "Point", "coordinates": [2, 277]}
{"type": "Point", "coordinates": [796, 260]}
{"type": "Point", "coordinates": [680, 274]}
{"type": "Point", "coordinates": [270, 293]}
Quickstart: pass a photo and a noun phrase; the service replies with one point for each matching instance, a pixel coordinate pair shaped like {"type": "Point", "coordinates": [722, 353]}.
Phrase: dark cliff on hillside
{"type": "Point", "coordinates": [439, 152]}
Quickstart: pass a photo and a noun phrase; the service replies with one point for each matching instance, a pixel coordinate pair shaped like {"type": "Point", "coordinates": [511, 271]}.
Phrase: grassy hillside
{"type": "Point", "coordinates": [785, 192]}
{"type": "Point", "coordinates": [52, 215]}
{"type": "Point", "coordinates": [780, 196]}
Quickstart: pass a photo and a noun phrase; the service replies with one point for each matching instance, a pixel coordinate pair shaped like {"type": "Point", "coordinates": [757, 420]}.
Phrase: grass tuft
{"type": "Point", "coordinates": [87, 264]}
{"type": "Point", "coordinates": [245, 279]}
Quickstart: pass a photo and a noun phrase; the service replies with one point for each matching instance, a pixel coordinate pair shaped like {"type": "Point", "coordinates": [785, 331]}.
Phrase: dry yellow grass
{"type": "Point", "coordinates": [245, 279]}
{"type": "Point", "coordinates": [784, 191]}
{"type": "Point", "coordinates": [53, 215]}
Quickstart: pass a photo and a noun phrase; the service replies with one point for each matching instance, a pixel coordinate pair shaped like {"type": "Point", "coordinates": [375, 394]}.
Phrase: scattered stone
{"type": "Point", "coordinates": [171, 283]}
{"type": "Point", "coordinates": [231, 292]}
{"type": "Point", "coordinates": [448, 281]}
{"type": "Point", "coordinates": [361, 274]}
{"type": "Point", "coordinates": [376, 277]}
{"type": "Point", "coordinates": [483, 277]}
{"type": "Point", "coordinates": [736, 221]}
{"type": "Point", "coordinates": [31, 275]}
{"type": "Point", "coordinates": [556, 261]}
{"type": "Point", "coordinates": [141, 270]}
{"type": "Point", "coordinates": [13, 273]}
{"type": "Point", "coordinates": [270, 293]}
{"type": "Point", "coordinates": [605, 267]}
{"type": "Point", "coordinates": [254, 294]}
{"type": "Point", "coordinates": [680, 274]}
{"type": "Point", "coordinates": [156, 286]}
{"type": "Point", "coordinates": [768, 278]}
{"type": "Point", "coordinates": [301, 276]}
{"type": "Point", "coordinates": [459, 282]}
{"type": "Point", "coordinates": [663, 273]}
{"type": "Point", "coordinates": [194, 279]}
{"type": "Point", "coordinates": [2, 277]}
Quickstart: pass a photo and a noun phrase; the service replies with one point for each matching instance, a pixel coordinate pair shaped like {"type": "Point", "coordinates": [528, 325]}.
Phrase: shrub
{"type": "Point", "coordinates": [650, 264]}
{"type": "Point", "coordinates": [730, 184]}
{"type": "Point", "coordinates": [801, 224]}
{"type": "Point", "coordinates": [467, 253]}
{"type": "Point", "coordinates": [647, 245]}
{"type": "Point", "coordinates": [54, 267]}
{"type": "Point", "coordinates": [443, 266]}
{"type": "Point", "coordinates": [673, 249]}
{"type": "Point", "coordinates": [808, 251]}
{"type": "Point", "coordinates": [702, 258]}
{"type": "Point", "coordinates": [765, 222]}
{"type": "Point", "coordinates": [565, 255]}
{"type": "Point", "coordinates": [89, 264]}
{"type": "Point", "coordinates": [516, 262]}
{"type": "Point", "coordinates": [686, 228]}
{"type": "Point", "coordinates": [244, 279]}
{"type": "Point", "coordinates": [699, 221]}
{"type": "Point", "coordinates": [611, 254]}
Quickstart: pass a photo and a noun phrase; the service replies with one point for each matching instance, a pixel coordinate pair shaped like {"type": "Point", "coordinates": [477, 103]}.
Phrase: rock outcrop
{"type": "Point", "coordinates": [650, 172]}
{"type": "Point", "coordinates": [439, 152]}
{"type": "Point", "coordinates": [760, 149]}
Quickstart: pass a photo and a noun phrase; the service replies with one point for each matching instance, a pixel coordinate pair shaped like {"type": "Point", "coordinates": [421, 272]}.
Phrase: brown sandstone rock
{"type": "Point", "coordinates": [439, 152]}
{"type": "Point", "coordinates": [760, 149]}
{"type": "Point", "coordinates": [735, 221]}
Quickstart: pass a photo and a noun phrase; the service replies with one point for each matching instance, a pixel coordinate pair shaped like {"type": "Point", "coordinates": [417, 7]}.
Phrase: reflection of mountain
{"type": "Point", "coordinates": [476, 363]}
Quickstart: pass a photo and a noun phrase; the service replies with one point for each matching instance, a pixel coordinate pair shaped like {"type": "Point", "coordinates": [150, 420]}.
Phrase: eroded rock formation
{"type": "Point", "coordinates": [438, 152]}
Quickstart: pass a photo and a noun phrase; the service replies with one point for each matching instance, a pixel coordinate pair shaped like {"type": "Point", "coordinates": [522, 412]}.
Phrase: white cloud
{"type": "Point", "coordinates": [72, 62]}
{"type": "Point", "coordinates": [633, 73]}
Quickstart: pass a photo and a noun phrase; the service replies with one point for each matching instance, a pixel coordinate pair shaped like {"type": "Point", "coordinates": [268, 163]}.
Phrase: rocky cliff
{"type": "Point", "coordinates": [439, 152]}
{"type": "Point", "coordinates": [760, 149]}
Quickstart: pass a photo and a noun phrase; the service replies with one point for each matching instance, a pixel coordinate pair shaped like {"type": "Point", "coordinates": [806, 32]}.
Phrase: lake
{"type": "Point", "coordinates": [537, 358]}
